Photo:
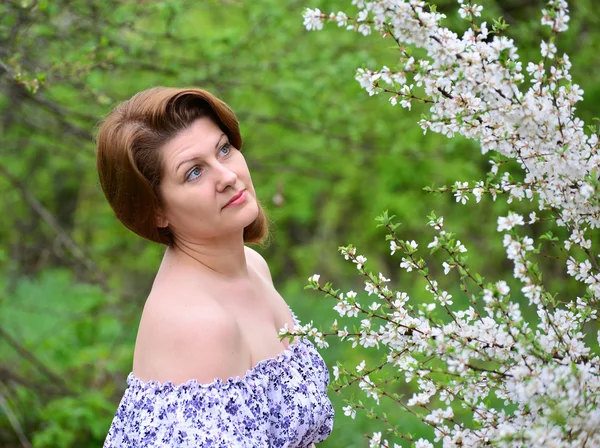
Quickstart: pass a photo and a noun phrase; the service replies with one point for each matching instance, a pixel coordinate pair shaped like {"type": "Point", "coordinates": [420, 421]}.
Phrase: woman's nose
{"type": "Point", "coordinates": [225, 177]}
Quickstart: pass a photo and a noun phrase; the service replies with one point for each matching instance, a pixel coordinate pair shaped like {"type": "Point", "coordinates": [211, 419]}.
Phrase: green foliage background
{"type": "Point", "coordinates": [326, 159]}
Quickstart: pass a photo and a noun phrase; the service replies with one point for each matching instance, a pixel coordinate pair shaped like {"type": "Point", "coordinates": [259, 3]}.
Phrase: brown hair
{"type": "Point", "coordinates": [128, 154]}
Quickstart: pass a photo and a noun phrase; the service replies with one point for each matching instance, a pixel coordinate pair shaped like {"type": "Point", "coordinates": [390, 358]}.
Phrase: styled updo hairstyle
{"type": "Point", "coordinates": [129, 158]}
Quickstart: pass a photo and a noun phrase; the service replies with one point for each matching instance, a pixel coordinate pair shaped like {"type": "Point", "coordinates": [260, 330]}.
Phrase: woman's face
{"type": "Point", "coordinates": [201, 174]}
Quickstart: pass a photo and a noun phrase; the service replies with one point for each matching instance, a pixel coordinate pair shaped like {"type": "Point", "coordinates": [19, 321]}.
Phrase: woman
{"type": "Point", "coordinates": [209, 369]}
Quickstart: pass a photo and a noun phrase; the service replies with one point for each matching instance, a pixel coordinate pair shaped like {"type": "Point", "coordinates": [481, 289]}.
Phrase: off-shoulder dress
{"type": "Point", "coordinates": [280, 402]}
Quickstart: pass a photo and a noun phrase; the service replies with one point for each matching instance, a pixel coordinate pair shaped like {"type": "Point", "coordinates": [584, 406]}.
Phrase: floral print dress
{"type": "Point", "coordinates": [280, 402]}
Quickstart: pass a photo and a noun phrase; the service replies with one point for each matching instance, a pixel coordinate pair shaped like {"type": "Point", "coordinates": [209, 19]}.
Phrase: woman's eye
{"type": "Point", "coordinates": [194, 174]}
{"type": "Point", "coordinates": [225, 149]}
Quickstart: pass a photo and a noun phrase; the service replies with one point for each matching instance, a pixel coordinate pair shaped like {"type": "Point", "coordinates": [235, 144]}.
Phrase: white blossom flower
{"type": "Point", "coordinates": [488, 296]}
{"type": "Point", "coordinates": [370, 288]}
{"type": "Point", "coordinates": [437, 223]}
{"type": "Point", "coordinates": [422, 443]}
{"type": "Point", "coordinates": [478, 191]}
{"type": "Point", "coordinates": [375, 440]}
{"type": "Point", "coordinates": [512, 220]}
{"type": "Point", "coordinates": [407, 264]}
{"type": "Point", "coordinates": [461, 192]}
{"type": "Point", "coordinates": [342, 307]}
{"type": "Point", "coordinates": [353, 310]}
{"type": "Point", "coordinates": [470, 10]}
{"type": "Point", "coordinates": [348, 253]}
{"type": "Point", "coordinates": [503, 287]}
{"type": "Point", "coordinates": [320, 342]}
{"type": "Point", "coordinates": [548, 49]}
{"type": "Point", "coordinates": [434, 243]}
{"type": "Point", "coordinates": [361, 366]}
{"type": "Point", "coordinates": [444, 298]}
{"type": "Point", "coordinates": [341, 19]}
{"type": "Point", "coordinates": [460, 247]}
{"type": "Point", "coordinates": [532, 218]}
{"type": "Point", "coordinates": [313, 19]}
{"type": "Point", "coordinates": [360, 261]}
{"type": "Point", "coordinates": [349, 411]}
{"type": "Point", "coordinates": [315, 278]}
{"type": "Point", "coordinates": [364, 29]}
{"type": "Point", "coordinates": [447, 267]}
{"type": "Point", "coordinates": [374, 306]}
{"type": "Point", "coordinates": [406, 103]}
{"type": "Point", "coordinates": [336, 372]}
{"type": "Point", "coordinates": [494, 169]}
{"type": "Point", "coordinates": [586, 190]}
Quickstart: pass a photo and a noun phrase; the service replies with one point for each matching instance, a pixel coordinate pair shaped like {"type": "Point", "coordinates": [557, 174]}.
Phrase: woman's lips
{"type": "Point", "coordinates": [237, 199]}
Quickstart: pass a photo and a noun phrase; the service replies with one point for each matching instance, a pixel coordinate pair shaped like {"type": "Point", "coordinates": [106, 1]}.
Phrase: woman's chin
{"type": "Point", "coordinates": [251, 213]}
{"type": "Point", "coordinates": [239, 217]}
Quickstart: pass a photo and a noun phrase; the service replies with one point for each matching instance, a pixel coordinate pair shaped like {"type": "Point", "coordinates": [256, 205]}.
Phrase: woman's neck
{"type": "Point", "coordinates": [224, 258]}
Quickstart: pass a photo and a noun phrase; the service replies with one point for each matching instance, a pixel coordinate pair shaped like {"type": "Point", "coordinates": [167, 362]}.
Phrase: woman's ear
{"type": "Point", "coordinates": [161, 220]}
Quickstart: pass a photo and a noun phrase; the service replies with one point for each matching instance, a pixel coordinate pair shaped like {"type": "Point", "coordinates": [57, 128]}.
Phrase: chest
{"type": "Point", "coordinates": [260, 312]}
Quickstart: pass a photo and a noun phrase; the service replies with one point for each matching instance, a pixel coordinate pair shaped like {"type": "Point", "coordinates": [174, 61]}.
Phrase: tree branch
{"type": "Point", "coordinates": [14, 422]}
{"type": "Point", "coordinates": [64, 388]}
{"type": "Point", "coordinates": [62, 236]}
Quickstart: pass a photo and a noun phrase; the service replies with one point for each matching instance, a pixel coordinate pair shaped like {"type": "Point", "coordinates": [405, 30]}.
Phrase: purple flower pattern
{"type": "Point", "coordinates": [280, 402]}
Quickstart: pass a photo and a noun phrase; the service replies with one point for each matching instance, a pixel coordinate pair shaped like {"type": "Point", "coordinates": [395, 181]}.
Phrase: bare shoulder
{"type": "Point", "coordinates": [257, 261]}
{"type": "Point", "coordinates": [193, 339]}
{"type": "Point", "coordinates": [279, 306]}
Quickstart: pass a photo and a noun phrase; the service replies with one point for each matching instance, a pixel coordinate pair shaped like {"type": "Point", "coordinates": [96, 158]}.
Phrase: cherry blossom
{"type": "Point", "coordinates": [541, 366]}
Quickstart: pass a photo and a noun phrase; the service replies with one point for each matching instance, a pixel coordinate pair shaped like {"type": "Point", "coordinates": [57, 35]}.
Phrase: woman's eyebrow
{"type": "Point", "coordinates": [197, 157]}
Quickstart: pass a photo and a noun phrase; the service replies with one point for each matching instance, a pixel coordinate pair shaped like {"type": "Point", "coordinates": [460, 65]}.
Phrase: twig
{"type": "Point", "coordinates": [33, 360]}
{"type": "Point", "coordinates": [14, 422]}
{"type": "Point", "coordinates": [62, 236]}
{"type": "Point", "coordinates": [7, 376]}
